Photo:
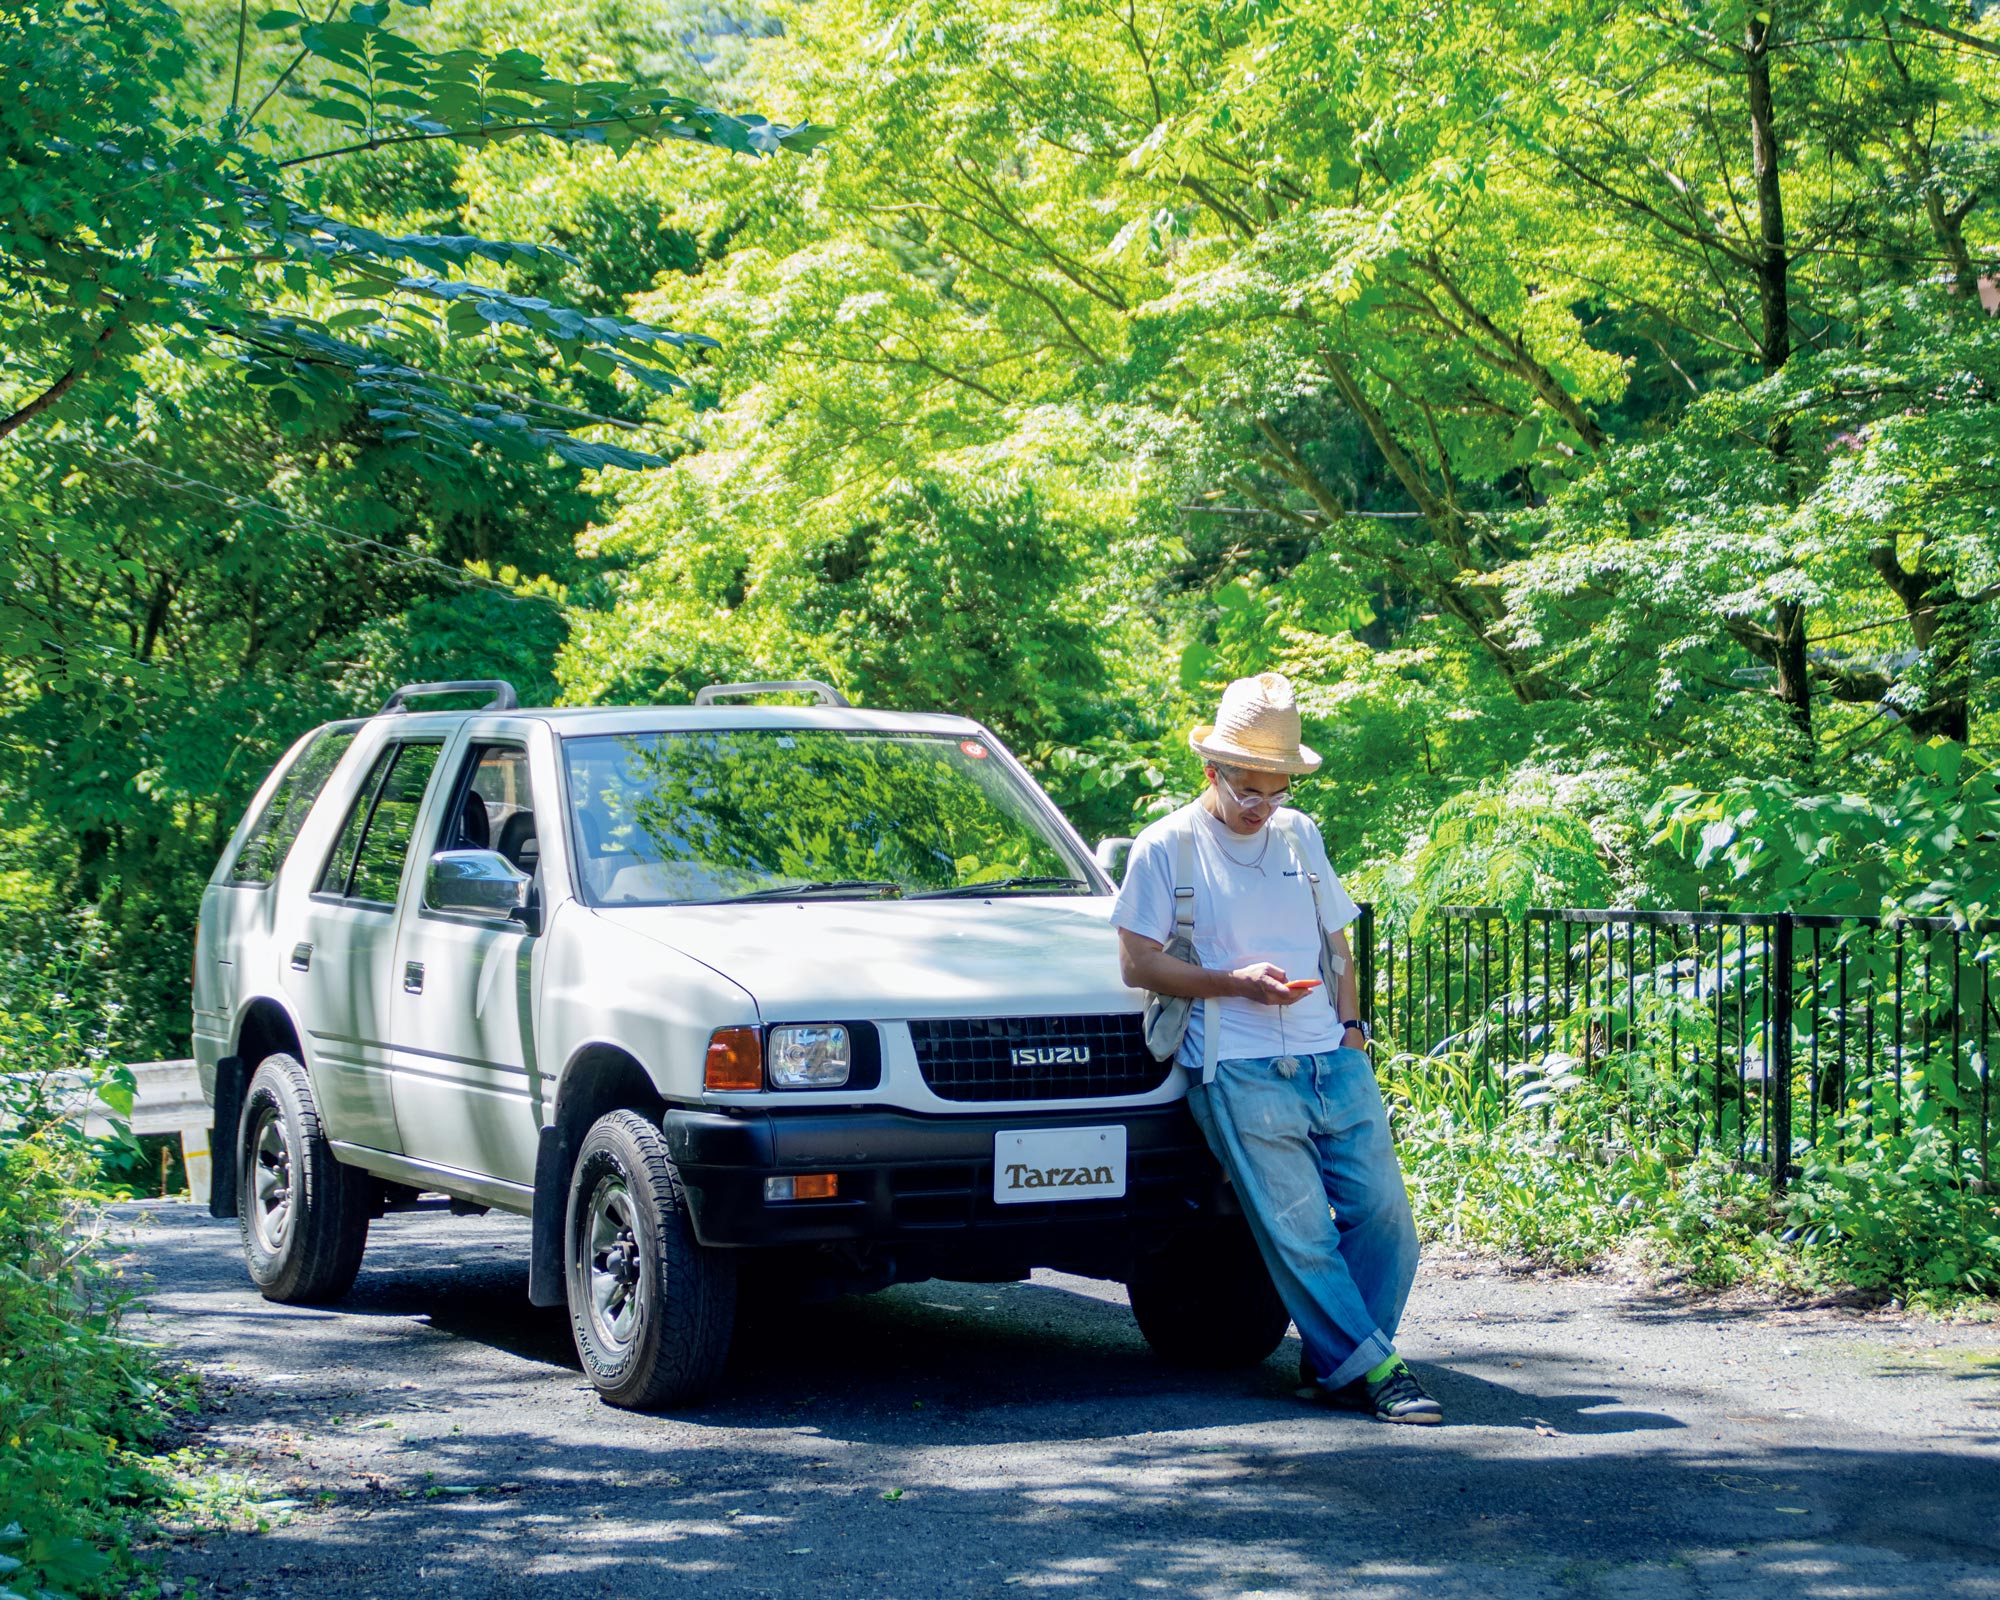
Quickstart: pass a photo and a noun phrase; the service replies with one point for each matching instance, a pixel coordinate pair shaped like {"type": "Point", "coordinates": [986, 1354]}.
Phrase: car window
{"type": "Point", "coordinates": [367, 860]}
{"type": "Point", "coordinates": [495, 809]}
{"type": "Point", "coordinates": [340, 860]}
{"type": "Point", "coordinates": [675, 817]}
{"type": "Point", "coordinates": [385, 847]}
{"type": "Point", "coordinates": [275, 828]}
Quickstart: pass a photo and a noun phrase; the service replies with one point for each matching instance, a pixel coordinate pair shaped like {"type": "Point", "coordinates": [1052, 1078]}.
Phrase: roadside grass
{"type": "Point", "coordinates": [92, 1463]}
{"type": "Point", "coordinates": [85, 1413]}
{"type": "Point", "coordinates": [1554, 1174]}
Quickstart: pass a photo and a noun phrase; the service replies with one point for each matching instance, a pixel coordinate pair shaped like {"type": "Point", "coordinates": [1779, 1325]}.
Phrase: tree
{"type": "Point", "coordinates": [270, 447]}
{"type": "Point", "coordinates": [1378, 288]}
{"type": "Point", "coordinates": [131, 223]}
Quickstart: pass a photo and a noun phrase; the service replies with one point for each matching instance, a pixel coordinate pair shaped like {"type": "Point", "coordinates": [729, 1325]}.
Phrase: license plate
{"type": "Point", "coordinates": [1043, 1164]}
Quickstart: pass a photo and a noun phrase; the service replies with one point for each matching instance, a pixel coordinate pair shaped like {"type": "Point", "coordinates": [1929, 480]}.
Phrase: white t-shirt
{"type": "Point", "coordinates": [1241, 915]}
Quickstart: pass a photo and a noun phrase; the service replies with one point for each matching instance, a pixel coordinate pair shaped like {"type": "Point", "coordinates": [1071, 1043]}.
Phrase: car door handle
{"type": "Point", "coordinates": [302, 957]}
{"type": "Point", "coordinates": [413, 977]}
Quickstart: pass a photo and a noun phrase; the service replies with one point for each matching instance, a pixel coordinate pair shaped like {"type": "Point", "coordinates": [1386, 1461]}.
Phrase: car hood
{"type": "Point", "coordinates": [893, 959]}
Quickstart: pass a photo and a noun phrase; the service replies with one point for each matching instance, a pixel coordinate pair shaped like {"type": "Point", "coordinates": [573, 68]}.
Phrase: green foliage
{"type": "Point", "coordinates": [79, 1403]}
{"type": "Point", "coordinates": [1928, 847]}
{"type": "Point", "coordinates": [1898, 1216]}
{"type": "Point", "coordinates": [133, 221]}
{"type": "Point", "coordinates": [1528, 845]}
{"type": "Point", "coordinates": [1557, 1171]}
{"type": "Point", "coordinates": [1702, 565]}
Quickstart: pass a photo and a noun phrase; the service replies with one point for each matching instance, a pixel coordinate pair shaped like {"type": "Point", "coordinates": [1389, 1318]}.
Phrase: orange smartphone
{"type": "Point", "coordinates": [1303, 985]}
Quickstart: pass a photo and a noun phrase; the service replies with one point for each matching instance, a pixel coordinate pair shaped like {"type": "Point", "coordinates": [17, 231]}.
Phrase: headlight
{"type": "Point", "coordinates": [814, 1056]}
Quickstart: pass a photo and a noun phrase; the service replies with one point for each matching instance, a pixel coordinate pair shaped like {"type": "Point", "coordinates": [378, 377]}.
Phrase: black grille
{"type": "Point", "coordinates": [1075, 1058]}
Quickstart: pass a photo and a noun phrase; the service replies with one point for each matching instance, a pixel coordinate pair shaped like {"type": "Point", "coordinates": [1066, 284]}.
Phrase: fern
{"type": "Point", "coordinates": [1509, 848]}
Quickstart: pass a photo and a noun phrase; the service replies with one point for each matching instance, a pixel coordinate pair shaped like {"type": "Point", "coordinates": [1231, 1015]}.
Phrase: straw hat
{"type": "Point", "coordinates": [1256, 726]}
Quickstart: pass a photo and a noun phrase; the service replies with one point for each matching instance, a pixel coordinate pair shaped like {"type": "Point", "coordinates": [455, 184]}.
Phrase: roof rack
{"type": "Point", "coordinates": [504, 698]}
{"type": "Point", "coordinates": [823, 693]}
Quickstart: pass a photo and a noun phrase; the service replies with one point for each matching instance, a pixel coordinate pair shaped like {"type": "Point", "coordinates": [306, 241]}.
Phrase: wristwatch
{"type": "Point", "coordinates": [1359, 1026]}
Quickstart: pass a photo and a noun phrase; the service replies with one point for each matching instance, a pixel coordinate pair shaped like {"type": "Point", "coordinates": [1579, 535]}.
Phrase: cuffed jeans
{"type": "Point", "coordinates": [1295, 1146]}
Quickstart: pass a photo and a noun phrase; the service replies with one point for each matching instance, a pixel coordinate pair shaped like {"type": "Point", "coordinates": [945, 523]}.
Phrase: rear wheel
{"type": "Point", "coordinates": [1206, 1300]}
{"type": "Point", "coordinates": [303, 1215]}
{"type": "Point", "coordinates": [652, 1309]}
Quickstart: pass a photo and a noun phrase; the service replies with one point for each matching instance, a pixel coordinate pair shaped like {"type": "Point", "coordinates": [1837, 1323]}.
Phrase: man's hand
{"type": "Point", "coordinates": [1144, 964]}
{"type": "Point", "coordinates": [1264, 983]}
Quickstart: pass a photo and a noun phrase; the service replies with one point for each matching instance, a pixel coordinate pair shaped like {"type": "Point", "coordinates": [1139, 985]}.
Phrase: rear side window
{"type": "Point", "coordinates": [275, 828]}
{"type": "Point", "coordinates": [368, 858]}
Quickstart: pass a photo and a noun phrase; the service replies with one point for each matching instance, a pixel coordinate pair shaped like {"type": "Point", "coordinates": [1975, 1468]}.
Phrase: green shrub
{"type": "Point", "coordinates": [75, 1398]}
{"type": "Point", "coordinates": [78, 1402]}
{"type": "Point", "coordinates": [1562, 1170]}
{"type": "Point", "coordinates": [1901, 1216]}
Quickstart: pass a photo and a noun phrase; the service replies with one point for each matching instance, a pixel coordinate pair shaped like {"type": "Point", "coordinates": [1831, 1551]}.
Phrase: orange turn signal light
{"type": "Point", "coordinates": [735, 1060]}
{"type": "Point", "coordinates": [803, 1186]}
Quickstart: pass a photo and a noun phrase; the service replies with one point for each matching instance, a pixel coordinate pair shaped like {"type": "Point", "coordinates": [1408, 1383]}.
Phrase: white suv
{"type": "Point", "coordinates": [824, 996]}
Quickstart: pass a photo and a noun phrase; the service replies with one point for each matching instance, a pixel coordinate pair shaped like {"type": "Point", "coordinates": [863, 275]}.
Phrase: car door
{"type": "Point", "coordinates": [468, 1092]}
{"type": "Point", "coordinates": [341, 969]}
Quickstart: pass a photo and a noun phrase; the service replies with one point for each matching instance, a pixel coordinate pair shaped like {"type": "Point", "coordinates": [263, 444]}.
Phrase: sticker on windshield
{"type": "Point", "coordinates": [973, 748]}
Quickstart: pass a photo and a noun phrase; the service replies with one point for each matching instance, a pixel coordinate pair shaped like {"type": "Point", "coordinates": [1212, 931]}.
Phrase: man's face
{"type": "Point", "coordinates": [1246, 799]}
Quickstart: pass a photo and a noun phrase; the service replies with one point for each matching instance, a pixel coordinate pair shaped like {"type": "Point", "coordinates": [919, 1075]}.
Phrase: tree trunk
{"type": "Point", "coordinates": [1945, 625]}
{"type": "Point", "coordinates": [1773, 269]}
{"type": "Point", "coordinates": [1773, 266]}
{"type": "Point", "coordinates": [1794, 680]}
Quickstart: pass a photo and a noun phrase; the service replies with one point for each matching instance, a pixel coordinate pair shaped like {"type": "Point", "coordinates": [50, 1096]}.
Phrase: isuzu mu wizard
{"type": "Point", "coordinates": [803, 998]}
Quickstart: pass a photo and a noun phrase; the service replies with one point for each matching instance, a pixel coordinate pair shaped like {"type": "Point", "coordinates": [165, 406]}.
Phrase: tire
{"type": "Point", "coordinates": [303, 1215]}
{"type": "Point", "coordinates": [651, 1308]}
{"type": "Point", "coordinates": [1206, 1300]}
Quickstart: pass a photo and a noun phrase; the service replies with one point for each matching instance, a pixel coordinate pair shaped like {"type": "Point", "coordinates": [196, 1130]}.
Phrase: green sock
{"type": "Point", "coordinates": [1377, 1374]}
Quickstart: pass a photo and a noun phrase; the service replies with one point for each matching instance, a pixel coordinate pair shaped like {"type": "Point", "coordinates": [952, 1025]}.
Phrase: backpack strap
{"type": "Point", "coordinates": [1184, 880]}
{"type": "Point", "coordinates": [1285, 820]}
{"type": "Point", "coordinates": [1211, 1012]}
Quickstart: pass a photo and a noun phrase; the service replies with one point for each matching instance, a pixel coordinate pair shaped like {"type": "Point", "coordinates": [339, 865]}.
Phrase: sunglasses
{"type": "Point", "coordinates": [1253, 800]}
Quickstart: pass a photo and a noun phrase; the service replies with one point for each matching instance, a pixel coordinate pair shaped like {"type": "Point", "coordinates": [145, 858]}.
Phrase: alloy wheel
{"type": "Point", "coordinates": [271, 1177]}
{"type": "Point", "coordinates": [616, 1271]}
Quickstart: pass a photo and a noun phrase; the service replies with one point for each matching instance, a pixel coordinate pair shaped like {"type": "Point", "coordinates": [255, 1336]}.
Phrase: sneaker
{"type": "Point", "coordinates": [1400, 1398]}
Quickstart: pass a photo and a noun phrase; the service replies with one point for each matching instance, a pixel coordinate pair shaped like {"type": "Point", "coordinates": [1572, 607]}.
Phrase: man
{"type": "Point", "coordinates": [1289, 1103]}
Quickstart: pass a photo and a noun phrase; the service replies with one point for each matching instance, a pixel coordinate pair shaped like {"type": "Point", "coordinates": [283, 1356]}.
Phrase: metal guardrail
{"type": "Point", "coordinates": [168, 1100]}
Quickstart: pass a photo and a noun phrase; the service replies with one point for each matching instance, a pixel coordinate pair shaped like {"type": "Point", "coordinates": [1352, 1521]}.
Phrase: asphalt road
{"type": "Point", "coordinates": [951, 1439]}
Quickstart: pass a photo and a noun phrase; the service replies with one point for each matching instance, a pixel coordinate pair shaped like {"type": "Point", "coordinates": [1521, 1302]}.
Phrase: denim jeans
{"type": "Point", "coordinates": [1294, 1146]}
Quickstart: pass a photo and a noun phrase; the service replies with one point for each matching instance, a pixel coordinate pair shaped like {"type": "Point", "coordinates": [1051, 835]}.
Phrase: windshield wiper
{"type": "Point", "coordinates": [802, 891]}
{"type": "Point", "coordinates": [968, 890]}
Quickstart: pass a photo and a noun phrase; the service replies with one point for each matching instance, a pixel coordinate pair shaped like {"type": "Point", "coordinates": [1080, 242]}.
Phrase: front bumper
{"type": "Point", "coordinates": [922, 1186]}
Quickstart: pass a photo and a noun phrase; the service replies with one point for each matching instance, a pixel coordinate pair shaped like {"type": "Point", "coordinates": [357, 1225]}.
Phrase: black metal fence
{"type": "Point", "coordinates": [1766, 1036]}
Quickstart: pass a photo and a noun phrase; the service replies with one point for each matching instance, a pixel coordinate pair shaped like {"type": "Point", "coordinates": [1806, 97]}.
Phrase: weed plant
{"type": "Point", "coordinates": [1565, 1165]}
{"type": "Point", "coordinates": [80, 1404]}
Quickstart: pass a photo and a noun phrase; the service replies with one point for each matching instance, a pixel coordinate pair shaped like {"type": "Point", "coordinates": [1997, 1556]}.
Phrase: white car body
{"type": "Point", "coordinates": [456, 1054]}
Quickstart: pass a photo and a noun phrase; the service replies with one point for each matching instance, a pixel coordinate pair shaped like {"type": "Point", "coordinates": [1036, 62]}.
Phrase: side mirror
{"type": "Point", "coordinates": [1112, 854]}
{"type": "Point", "coordinates": [482, 882]}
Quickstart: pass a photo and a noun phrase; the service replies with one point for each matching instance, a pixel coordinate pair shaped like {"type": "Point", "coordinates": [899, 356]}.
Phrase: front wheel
{"type": "Point", "coordinates": [652, 1309]}
{"type": "Point", "coordinates": [1206, 1299]}
{"type": "Point", "coordinates": [304, 1216]}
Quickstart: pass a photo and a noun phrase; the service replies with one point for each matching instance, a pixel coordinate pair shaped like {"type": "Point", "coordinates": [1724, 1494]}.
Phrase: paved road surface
{"type": "Point", "coordinates": [954, 1439]}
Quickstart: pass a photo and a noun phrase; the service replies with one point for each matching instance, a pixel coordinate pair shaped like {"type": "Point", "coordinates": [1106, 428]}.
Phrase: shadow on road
{"type": "Point", "coordinates": [950, 1438]}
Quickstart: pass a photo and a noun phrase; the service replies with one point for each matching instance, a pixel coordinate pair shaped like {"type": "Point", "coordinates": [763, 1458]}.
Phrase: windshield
{"type": "Point", "coordinates": [709, 815]}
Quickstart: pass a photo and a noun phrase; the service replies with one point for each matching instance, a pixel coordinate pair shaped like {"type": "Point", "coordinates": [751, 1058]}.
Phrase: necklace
{"type": "Point", "coordinates": [1256, 862]}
